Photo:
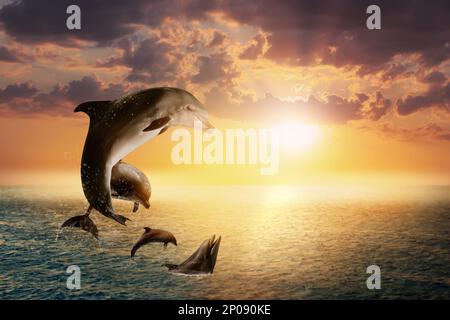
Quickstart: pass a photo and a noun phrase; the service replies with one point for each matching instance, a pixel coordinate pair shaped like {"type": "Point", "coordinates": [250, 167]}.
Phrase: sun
{"type": "Point", "coordinates": [298, 136]}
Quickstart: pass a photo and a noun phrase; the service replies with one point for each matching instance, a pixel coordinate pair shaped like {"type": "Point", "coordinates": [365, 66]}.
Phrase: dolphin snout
{"type": "Point", "coordinates": [206, 125]}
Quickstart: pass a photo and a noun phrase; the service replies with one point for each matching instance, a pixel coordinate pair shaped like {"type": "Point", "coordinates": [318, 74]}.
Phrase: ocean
{"type": "Point", "coordinates": [278, 242]}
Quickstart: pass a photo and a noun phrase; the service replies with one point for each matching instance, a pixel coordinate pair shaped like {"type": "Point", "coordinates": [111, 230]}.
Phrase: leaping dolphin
{"type": "Point", "coordinates": [120, 126]}
{"type": "Point", "coordinates": [131, 184]}
{"type": "Point", "coordinates": [153, 235]}
{"type": "Point", "coordinates": [202, 261]}
{"type": "Point", "coordinates": [127, 183]}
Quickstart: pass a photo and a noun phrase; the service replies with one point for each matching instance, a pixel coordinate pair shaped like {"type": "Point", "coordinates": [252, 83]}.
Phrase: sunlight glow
{"type": "Point", "coordinates": [299, 136]}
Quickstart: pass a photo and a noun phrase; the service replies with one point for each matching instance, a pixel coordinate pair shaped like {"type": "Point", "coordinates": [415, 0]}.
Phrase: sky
{"type": "Point", "coordinates": [366, 105]}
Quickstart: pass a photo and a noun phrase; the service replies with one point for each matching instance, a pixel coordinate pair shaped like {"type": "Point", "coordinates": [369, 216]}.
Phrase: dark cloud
{"type": "Point", "coordinates": [300, 31]}
{"type": "Point", "coordinates": [101, 21]}
{"type": "Point", "coordinates": [85, 89]}
{"type": "Point", "coordinates": [334, 32]}
{"type": "Point", "coordinates": [218, 39]}
{"type": "Point", "coordinates": [14, 91]}
{"type": "Point", "coordinates": [90, 88]}
{"type": "Point", "coordinates": [214, 68]}
{"type": "Point", "coordinates": [445, 136]}
{"type": "Point", "coordinates": [24, 99]}
{"type": "Point", "coordinates": [150, 60]}
{"type": "Point", "coordinates": [435, 78]}
{"type": "Point", "coordinates": [436, 96]}
{"type": "Point", "coordinates": [379, 107]}
{"type": "Point", "coordinates": [8, 55]}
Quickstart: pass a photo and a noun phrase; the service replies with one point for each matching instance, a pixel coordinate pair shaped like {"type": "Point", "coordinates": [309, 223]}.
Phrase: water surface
{"type": "Point", "coordinates": [277, 243]}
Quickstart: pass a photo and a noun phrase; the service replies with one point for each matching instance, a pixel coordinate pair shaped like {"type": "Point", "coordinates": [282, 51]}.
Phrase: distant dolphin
{"type": "Point", "coordinates": [118, 127]}
{"type": "Point", "coordinates": [153, 235]}
{"type": "Point", "coordinates": [202, 261]}
{"type": "Point", "coordinates": [127, 183]}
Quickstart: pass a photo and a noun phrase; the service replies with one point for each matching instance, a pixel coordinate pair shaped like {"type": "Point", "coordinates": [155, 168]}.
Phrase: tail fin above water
{"type": "Point", "coordinates": [83, 222]}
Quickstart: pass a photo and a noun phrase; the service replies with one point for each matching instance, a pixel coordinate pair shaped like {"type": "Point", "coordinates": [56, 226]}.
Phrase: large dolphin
{"type": "Point", "coordinates": [127, 183]}
{"type": "Point", "coordinates": [202, 261]}
{"type": "Point", "coordinates": [120, 126]}
{"type": "Point", "coordinates": [153, 235]}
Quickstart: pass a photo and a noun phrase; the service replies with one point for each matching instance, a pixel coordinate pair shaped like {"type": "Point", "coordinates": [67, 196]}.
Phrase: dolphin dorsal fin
{"type": "Point", "coordinates": [94, 109]}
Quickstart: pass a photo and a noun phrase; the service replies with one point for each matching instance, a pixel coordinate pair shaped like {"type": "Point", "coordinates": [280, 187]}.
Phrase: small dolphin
{"type": "Point", "coordinates": [118, 127]}
{"type": "Point", "coordinates": [83, 222]}
{"type": "Point", "coordinates": [202, 261]}
{"type": "Point", "coordinates": [153, 235]}
{"type": "Point", "coordinates": [129, 183]}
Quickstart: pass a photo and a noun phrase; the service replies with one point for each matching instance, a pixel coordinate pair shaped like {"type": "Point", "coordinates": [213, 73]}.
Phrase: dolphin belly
{"type": "Point", "coordinates": [128, 143]}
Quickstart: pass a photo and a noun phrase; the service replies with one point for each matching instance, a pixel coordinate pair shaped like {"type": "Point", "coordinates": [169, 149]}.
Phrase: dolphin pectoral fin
{"type": "Point", "coordinates": [83, 222]}
{"type": "Point", "coordinates": [136, 206]}
{"type": "Point", "coordinates": [163, 130]}
{"type": "Point", "coordinates": [157, 124]}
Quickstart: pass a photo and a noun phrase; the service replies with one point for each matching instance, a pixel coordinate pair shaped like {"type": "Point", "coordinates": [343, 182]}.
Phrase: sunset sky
{"type": "Point", "coordinates": [372, 106]}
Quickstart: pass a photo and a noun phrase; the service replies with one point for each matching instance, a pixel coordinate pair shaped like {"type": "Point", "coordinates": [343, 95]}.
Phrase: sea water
{"type": "Point", "coordinates": [278, 242]}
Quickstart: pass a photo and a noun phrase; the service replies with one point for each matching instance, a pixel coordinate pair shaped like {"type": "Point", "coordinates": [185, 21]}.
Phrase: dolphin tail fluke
{"type": "Point", "coordinates": [83, 222]}
{"type": "Point", "coordinates": [119, 218]}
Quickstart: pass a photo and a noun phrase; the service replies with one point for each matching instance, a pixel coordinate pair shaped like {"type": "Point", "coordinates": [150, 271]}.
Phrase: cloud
{"type": "Point", "coordinates": [45, 20]}
{"type": "Point", "coordinates": [257, 47]}
{"type": "Point", "coordinates": [214, 68]}
{"type": "Point", "coordinates": [218, 39]}
{"type": "Point", "coordinates": [8, 55]}
{"type": "Point", "coordinates": [436, 96]}
{"type": "Point", "coordinates": [149, 60]}
{"type": "Point", "coordinates": [90, 88]}
{"type": "Point", "coordinates": [379, 107]}
{"type": "Point", "coordinates": [435, 78]}
{"type": "Point", "coordinates": [427, 132]}
{"type": "Point", "coordinates": [102, 22]}
{"type": "Point", "coordinates": [393, 71]}
{"type": "Point", "coordinates": [302, 32]}
{"type": "Point", "coordinates": [14, 91]}
{"type": "Point", "coordinates": [25, 100]}
{"type": "Point", "coordinates": [331, 109]}
{"type": "Point", "coordinates": [299, 32]}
